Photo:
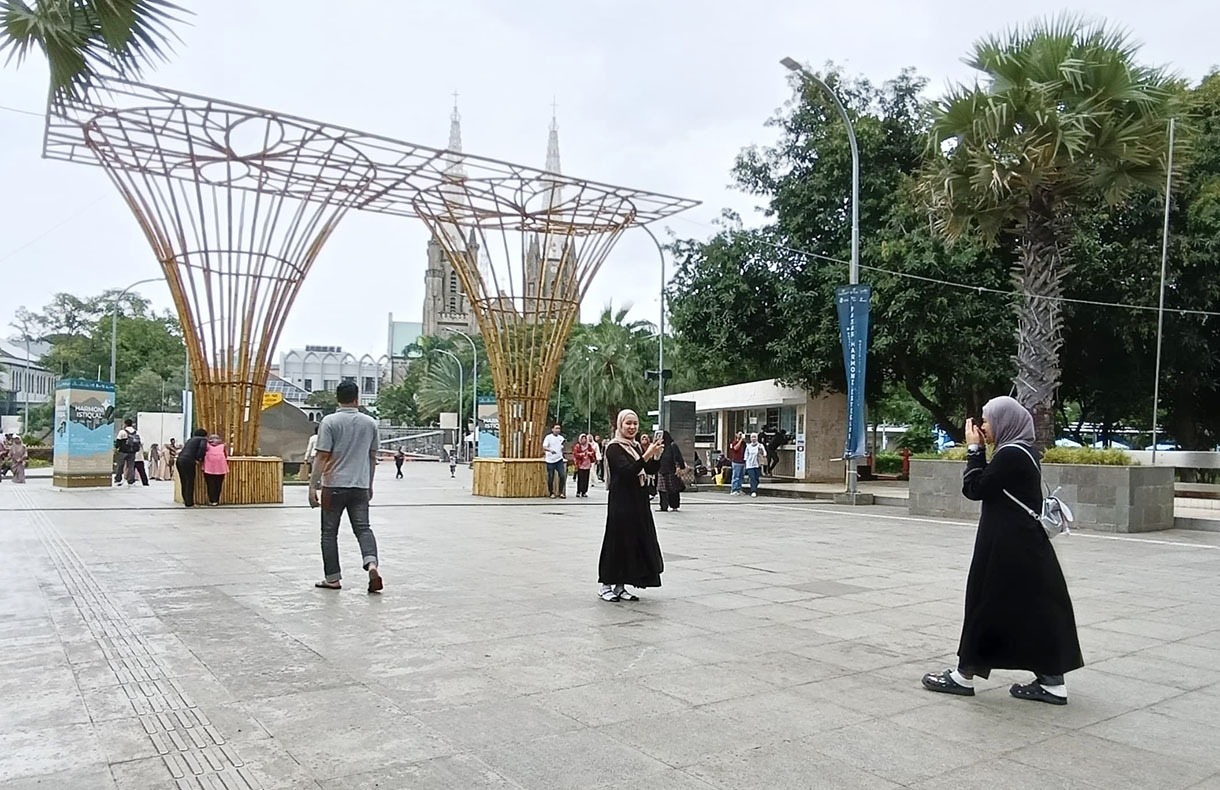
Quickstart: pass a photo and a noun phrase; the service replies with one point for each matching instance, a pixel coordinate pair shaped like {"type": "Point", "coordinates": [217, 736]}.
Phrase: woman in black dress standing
{"type": "Point", "coordinates": [669, 486]}
{"type": "Point", "coordinates": [630, 552]}
{"type": "Point", "coordinates": [1018, 611]}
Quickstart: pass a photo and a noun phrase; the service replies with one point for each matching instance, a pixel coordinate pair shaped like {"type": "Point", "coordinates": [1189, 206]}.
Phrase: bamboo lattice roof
{"type": "Point", "coordinates": [171, 134]}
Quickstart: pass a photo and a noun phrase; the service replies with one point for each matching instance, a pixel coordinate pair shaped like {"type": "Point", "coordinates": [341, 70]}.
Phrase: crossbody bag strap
{"type": "Point", "coordinates": [1033, 514]}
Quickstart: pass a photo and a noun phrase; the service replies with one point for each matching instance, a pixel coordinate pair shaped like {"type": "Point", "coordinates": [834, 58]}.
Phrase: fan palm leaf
{"type": "Point", "coordinates": [83, 39]}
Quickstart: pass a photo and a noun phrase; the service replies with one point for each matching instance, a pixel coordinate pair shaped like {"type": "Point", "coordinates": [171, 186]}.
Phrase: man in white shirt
{"type": "Point", "coordinates": [552, 453]}
{"type": "Point", "coordinates": [756, 454]}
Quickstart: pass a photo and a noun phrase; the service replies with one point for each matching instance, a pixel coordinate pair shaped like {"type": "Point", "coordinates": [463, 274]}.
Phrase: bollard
{"type": "Point", "coordinates": [906, 463]}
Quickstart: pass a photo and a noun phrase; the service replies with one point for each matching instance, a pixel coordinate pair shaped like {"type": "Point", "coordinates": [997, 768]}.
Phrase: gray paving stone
{"type": "Point", "coordinates": [1109, 763]}
{"type": "Point", "coordinates": [1187, 740]}
{"type": "Point", "coordinates": [1002, 774]}
{"type": "Point", "coordinates": [610, 702]}
{"type": "Point", "coordinates": [785, 765]}
{"type": "Point", "coordinates": [71, 748]}
{"type": "Point", "coordinates": [443, 773]}
{"type": "Point", "coordinates": [485, 724]}
{"type": "Point", "coordinates": [701, 685]}
{"type": "Point", "coordinates": [786, 652]}
{"type": "Point", "coordinates": [903, 755]}
{"type": "Point", "coordinates": [548, 762]}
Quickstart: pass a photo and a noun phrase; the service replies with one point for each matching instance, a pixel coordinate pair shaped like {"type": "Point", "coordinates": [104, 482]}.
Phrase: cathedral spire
{"type": "Point", "coordinates": [455, 126]}
{"type": "Point", "coordinates": [552, 144]}
{"type": "Point", "coordinates": [455, 169]}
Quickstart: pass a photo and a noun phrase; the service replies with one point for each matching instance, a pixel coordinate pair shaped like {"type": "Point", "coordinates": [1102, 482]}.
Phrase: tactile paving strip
{"type": "Point", "coordinates": [195, 754]}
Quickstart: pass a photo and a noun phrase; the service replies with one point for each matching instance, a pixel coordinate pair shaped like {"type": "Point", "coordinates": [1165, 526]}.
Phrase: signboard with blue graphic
{"type": "Point", "coordinates": [84, 432]}
{"type": "Point", "coordinates": [853, 305]}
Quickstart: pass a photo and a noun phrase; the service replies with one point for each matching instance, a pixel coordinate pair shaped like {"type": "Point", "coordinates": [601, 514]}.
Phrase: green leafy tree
{"type": "Point", "coordinates": [760, 302]}
{"type": "Point", "coordinates": [84, 39]}
{"type": "Point", "coordinates": [397, 403]}
{"type": "Point", "coordinates": [146, 391]}
{"type": "Point", "coordinates": [324, 400]}
{"type": "Point", "coordinates": [603, 369]}
{"type": "Point", "coordinates": [1064, 112]}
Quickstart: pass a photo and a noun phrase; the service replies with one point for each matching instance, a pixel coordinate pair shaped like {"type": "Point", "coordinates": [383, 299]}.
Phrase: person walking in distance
{"type": "Point", "coordinates": [127, 442]}
{"type": "Point", "coordinates": [1018, 612]}
{"type": "Point", "coordinates": [669, 484]}
{"type": "Point", "coordinates": [189, 457]}
{"type": "Point", "coordinates": [583, 457]}
{"type": "Point", "coordinates": [399, 457]}
{"type": "Point", "coordinates": [215, 467]}
{"type": "Point", "coordinates": [552, 450]}
{"type": "Point", "coordinates": [18, 454]}
{"type": "Point", "coordinates": [755, 456]}
{"type": "Point", "coordinates": [343, 481]}
{"type": "Point", "coordinates": [631, 554]}
{"type": "Point", "coordinates": [599, 459]}
{"type": "Point", "coordinates": [141, 464]}
{"type": "Point", "coordinates": [311, 452]}
{"type": "Point", "coordinates": [737, 457]}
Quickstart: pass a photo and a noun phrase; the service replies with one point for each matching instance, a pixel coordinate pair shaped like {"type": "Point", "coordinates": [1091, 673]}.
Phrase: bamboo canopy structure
{"type": "Point", "coordinates": [237, 203]}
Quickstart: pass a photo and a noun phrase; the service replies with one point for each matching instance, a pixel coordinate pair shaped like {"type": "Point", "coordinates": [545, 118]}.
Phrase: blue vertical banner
{"type": "Point", "coordinates": [853, 304]}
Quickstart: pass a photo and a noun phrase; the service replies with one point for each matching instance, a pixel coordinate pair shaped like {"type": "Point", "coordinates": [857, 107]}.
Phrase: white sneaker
{"type": "Point", "coordinates": [753, 494]}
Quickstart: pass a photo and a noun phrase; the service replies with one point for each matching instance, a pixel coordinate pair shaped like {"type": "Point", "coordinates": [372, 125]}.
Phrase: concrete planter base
{"type": "Point", "coordinates": [1104, 498]}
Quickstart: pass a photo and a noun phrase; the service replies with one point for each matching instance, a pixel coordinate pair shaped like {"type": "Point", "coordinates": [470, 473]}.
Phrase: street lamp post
{"type": "Point", "coordinates": [589, 391]}
{"type": "Point", "coordinates": [461, 391]}
{"type": "Point", "coordinates": [474, 386]}
{"type": "Point", "coordinates": [114, 320]}
{"type": "Point", "coordinates": [854, 268]}
{"type": "Point", "coordinates": [812, 79]}
{"type": "Point", "coordinates": [661, 334]}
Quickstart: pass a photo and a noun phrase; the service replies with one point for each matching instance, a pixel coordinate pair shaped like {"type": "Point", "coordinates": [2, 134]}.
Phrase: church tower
{"type": "Point", "coordinates": [445, 301]}
{"type": "Point", "coordinates": [547, 250]}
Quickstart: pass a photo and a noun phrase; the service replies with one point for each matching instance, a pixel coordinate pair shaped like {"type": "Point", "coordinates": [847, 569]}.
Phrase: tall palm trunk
{"type": "Point", "coordinates": [1039, 276]}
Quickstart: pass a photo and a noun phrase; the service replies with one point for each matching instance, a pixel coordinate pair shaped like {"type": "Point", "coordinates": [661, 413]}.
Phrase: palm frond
{"type": "Point", "coordinates": [83, 39]}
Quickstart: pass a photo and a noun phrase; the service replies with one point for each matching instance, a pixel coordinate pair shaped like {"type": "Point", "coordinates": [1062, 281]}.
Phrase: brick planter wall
{"type": "Point", "coordinates": [1105, 498]}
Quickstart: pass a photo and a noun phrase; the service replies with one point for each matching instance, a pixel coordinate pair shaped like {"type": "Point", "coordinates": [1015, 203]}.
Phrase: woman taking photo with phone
{"type": "Point", "coordinates": [1018, 611]}
{"type": "Point", "coordinates": [669, 485]}
{"type": "Point", "coordinates": [630, 554]}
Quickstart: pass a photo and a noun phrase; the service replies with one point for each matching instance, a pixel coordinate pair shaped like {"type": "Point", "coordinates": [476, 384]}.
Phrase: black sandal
{"type": "Point", "coordinates": [944, 683]}
{"type": "Point", "coordinates": [1035, 692]}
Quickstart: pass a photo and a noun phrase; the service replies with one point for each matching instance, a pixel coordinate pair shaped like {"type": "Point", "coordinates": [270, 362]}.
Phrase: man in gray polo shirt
{"type": "Point", "coordinates": [343, 471]}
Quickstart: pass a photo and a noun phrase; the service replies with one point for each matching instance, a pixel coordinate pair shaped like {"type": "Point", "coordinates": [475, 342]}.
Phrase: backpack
{"type": "Point", "coordinates": [134, 442]}
{"type": "Point", "coordinates": [1056, 516]}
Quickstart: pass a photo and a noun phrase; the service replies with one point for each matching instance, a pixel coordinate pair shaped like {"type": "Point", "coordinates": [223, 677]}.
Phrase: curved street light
{"type": "Point", "coordinates": [661, 333]}
{"type": "Point", "coordinates": [461, 391]}
{"type": "Point", "coordinates": [114, 319]}
{"type": "Point", "coordinates": [811, 79]}
{"type": "Point", "coordinates": [474, 385]}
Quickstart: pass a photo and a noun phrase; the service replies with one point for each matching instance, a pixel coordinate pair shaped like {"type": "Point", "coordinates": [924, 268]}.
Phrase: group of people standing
{"type": "Point", "coordinates": [746, 458]}
{"type": "Point", "coordinates": [159, 462]}
{"type": "Point", "coordinates": [13, 457]}
{"type": "Point", "coordinates": [666, 480]}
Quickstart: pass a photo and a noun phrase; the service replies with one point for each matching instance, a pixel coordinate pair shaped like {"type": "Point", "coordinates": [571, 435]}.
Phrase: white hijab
{"type": "Point", "coordinates": [629, 445]}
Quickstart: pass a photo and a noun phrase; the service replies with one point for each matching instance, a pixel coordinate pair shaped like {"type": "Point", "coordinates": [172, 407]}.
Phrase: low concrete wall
{"type": "Point", "coordinates": [1105, 498]}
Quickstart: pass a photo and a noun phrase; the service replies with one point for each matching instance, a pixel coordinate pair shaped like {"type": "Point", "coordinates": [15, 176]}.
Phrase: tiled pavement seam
{"type": "Point", "coordinates": [195, 754]}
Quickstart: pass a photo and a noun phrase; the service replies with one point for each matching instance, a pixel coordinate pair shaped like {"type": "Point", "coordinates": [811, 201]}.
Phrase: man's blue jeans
{"type": "Point", "coordinates": [739, 470]}
{"type": "Point", "coordinates": [556, 469]}
{"type": "Point", "coordinates": [355, 502]}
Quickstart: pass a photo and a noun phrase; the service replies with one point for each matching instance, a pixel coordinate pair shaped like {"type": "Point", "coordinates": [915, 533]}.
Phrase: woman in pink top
{"type": "Point", "coordinates": [215, 467]}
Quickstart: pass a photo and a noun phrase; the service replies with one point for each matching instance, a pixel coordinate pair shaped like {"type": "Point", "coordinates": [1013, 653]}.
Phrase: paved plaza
{"type": "Point", "coordinates": [148, 646]}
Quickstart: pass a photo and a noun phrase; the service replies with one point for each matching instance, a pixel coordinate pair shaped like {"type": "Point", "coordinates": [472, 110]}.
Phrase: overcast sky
{"type": "Point", "coordinates": [660, 95]}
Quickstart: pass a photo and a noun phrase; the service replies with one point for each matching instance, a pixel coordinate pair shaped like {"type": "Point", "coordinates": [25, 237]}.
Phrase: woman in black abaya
{"type": "Point", "coordinates": [1018, 611]}
{"type": "Point", "coordinates": [630, 552]}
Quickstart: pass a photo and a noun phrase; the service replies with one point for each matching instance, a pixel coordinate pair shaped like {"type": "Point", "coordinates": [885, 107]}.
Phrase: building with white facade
{"type": "Point", "coordinates": [22, 380]}
{"type": "Point", "coordinates": [322, 368]}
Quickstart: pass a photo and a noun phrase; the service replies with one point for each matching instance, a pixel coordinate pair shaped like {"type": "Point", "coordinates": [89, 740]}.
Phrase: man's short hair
{"type": "Point", "coordinates": [128, 423]}
{"type": "Point", "coordinates": [556, 425]}
{"type": "Point", "coordinates": [347, 392]}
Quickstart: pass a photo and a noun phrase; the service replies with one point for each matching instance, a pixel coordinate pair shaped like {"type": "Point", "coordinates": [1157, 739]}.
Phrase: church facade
{"type": "Point", "coordinates": [446, 305]}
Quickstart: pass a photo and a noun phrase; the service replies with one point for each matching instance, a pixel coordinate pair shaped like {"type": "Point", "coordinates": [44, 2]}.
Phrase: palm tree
{"type": "Point", "coordinates": [1065, 113]}
{"type": "Point", "coordinates": [606, 361]}
{"type": "Point", "coordinates": [83, 39]}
